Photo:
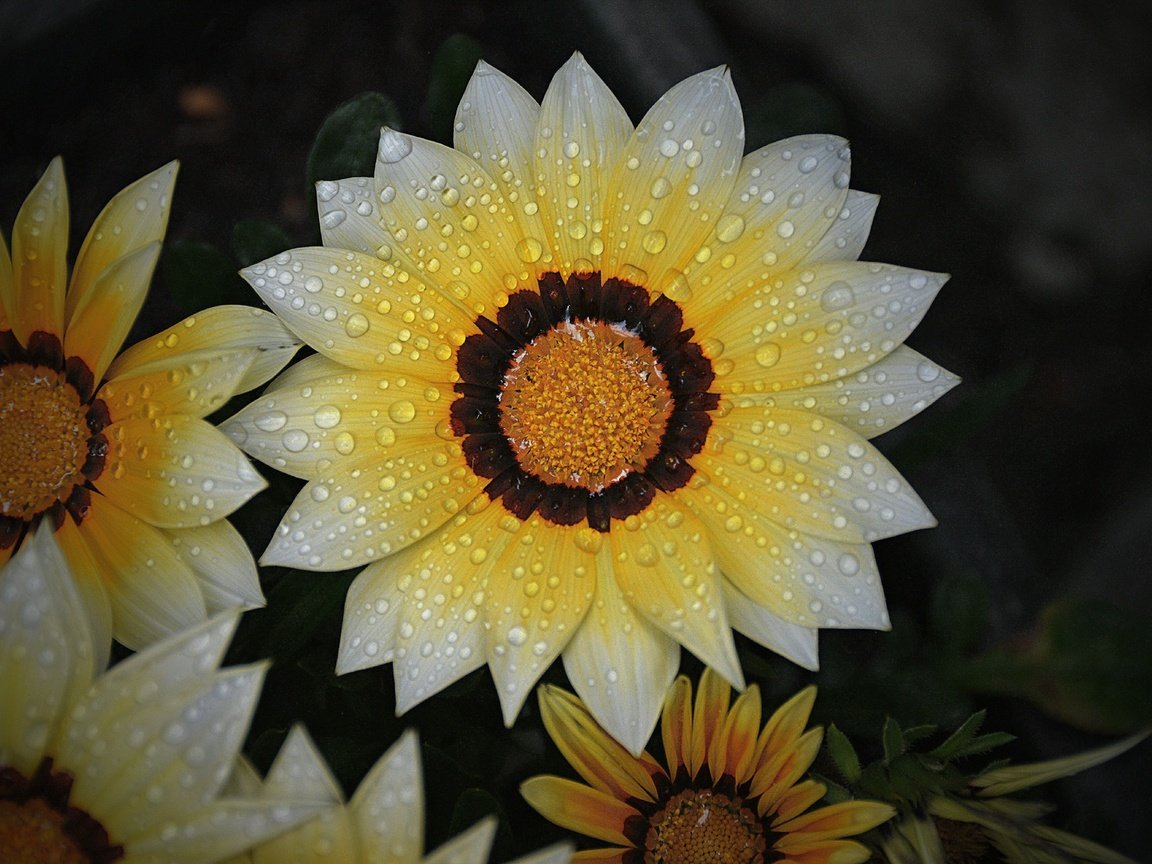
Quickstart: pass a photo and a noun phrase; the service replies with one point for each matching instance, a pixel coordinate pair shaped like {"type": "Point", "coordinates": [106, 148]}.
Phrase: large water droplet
{"type": "Point", "coordinates": [837, 296]}
{"type": "Point", "coordinates": [356, 325]}
{"type": "Point", "coordinates": [394, 146]}
{"type": "Point", "coordinates": [768, 354]}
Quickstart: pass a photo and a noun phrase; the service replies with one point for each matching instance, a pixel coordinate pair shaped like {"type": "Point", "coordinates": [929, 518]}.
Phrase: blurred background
{"type": "Point", "coordinates": [1011, 145]}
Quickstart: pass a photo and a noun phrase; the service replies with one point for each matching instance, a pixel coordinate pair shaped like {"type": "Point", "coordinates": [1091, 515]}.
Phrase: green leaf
{"type": "Point", "coordinates": [253, 241]}
{"type": "Point", "coordinates": [958, 739]}
{"type": "Point", "coordinates": [199, 275]}
{"type": "Point", "coordinates": [451, 69]}
{"type": "Point", "coordinates": [893, 739]}
{"type": "Point", "coordinates": [842, 753]}
{"type": "Point", "coordinates": [346, 144]}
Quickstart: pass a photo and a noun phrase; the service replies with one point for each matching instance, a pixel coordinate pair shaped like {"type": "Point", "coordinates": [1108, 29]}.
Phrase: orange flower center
{"type": "Point", "coordinates": [43, 439]}
{"type": "Point", "coordinates": [585, 404]}
{"type": "Point", "coordinates": [699, 826]}
{"type": "Point", "coordinates": [33, 833]}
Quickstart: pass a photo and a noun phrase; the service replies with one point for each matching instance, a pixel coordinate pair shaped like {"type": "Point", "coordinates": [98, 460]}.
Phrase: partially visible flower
{"type": "Point", "coordinates": [124, 766]}
{"type": "Point", "coordinates": [113, 452]}
{"type": "Point", "coordinates": [729, 792]}
{"type": "Point", "coordinates": [593, 391]}
{"type": "Point", "coordinates": [384, 821]}
{"type": "Point", "coordinates": [949, 816]}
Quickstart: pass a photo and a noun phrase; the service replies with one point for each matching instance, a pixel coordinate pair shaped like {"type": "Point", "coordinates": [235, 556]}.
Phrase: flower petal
{"type": "Point", "coordinates": [47, 652]}
{"type": "Point", "coordinates": [388, 806]}
{"type": "Point", "coordinates": [778, 769]}
{"type": "Point", "coordinates": [664, 567]}
{"type": "Point", "coordinates": [731, 751]}
{"type": "Point", "coordinates": [496, 126]}
{"type": "Point", "coordinates": [796, 643]}
{"type": "Point", "coordinates": [351, 514]}
{"type": "Point", "coordinates": [785, 199]}
{"type": "Point", "coordinates": [806, 580]}
{"type": "Point", "coordinates": [808, 474]}
{"type": "Point", "coordinates": [559, 853]}
{"type": "Point", "coordinates": [672, 181]}
{"type": "Point", "coordinates": [108, 309]}
{"type": "Point", "coordinates": [221, 330]}
{"type": "Point", "coordinates": [443, 580]}
{"type": "Point", "coordinates": [580, 134]}
{"type": "Point", "coordinates": [832, 852]}
{"type": "Point", "coordinates": [832, 822]}
{"type": "Point", "coordinates": [355, 309]}
{"type": "Point", "coordinates": [620, 664]}
{"type": "Point", "coordinates": [371, 615]}
{"type": "Point", "coordinates": [596, 755]}
{"type": "Point", "coordinates": [809, 326]}
{"type": "Point", "coordinates": [89, 581]}
{"type": "Point", "coordinates": [539, 590]}
{"type": "Point", "coordinates": [708, 716]}
{"type": "Point", "coordinates": [799, 798]}
{"type": "Point", "coordinates": [448, 217]}
{"type": "Point", "coordinates": [876, 398]}
{"type": "Point", "coordinates": [222, 564]}
{"type": "Point", "coordinates": [329, 417]}
{"type": "Point", "coordinates": [175, 472]}
{"type": "Point", "coordinates": [846, 238]}
{"type": "Point", "coordinates": [471, 847]}
{"type": "Point", "coordinates": [135, 218]}
{"type": "Point", "coordinates": [300, 771]}
{"type": "Point", "coordinates": [152, 592]}
{"type": "Point", "coordinates": [195, 383]}
{"type": "Point", "coordinates": [676, 725]}
{"type": "Point", "coordinates": [349, 211]}
{"type": "Point", "coordinates": [578, 807]}
{"type": "Point", "coordinates": [7, 286]}
{"type": "Point", "coordinates": [39, 257]}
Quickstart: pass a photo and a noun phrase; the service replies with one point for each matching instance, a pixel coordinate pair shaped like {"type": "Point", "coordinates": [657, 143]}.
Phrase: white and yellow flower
{"type": "Point", "coordinates": [126, 765]}
{"type": "Point", "coordinates": [113, 451]}
{"type": "Point", "coordinates": [591, 390]}
{"type": "Point", "coordinates": [384, 821]}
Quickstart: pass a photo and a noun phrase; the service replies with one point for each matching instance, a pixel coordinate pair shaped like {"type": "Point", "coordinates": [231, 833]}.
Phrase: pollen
{"type": "Point", "coordinates": [699, 826]}
{"type": "Point", "coordinates": [32, 832]}
{"type": "Point", "coordinates": [43, 439]}
{"type": "Point", "coordinates": [585, 404]}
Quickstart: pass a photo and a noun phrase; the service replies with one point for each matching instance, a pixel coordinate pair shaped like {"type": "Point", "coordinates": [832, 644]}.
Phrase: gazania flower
{"type": "Point", "coordinates": [113, 452]}
{"type": "Point", "coordinates": [124, 766]}
{"type": "Point", "coordinates": [591, 390]}
{"type": "Point", "coordinates": [730, 791]}
{"type": "Point", "coordinates": [384, 822]}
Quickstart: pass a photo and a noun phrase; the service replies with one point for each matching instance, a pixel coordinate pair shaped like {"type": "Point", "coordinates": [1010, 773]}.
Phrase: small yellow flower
{"type": "Point", "coordinates": [591, 390]}
{"type": "Point", "coordinates": [127, 765]}
{"type": "Point", "coordinates": [113, 452]}
{"type": "Point", "coordinates": [729, 792]}
{"type": "Point", "coordinates": [384, 821]}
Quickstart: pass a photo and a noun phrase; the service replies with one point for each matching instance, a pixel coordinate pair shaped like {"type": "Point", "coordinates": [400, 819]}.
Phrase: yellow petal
{"type": "Point", "coordinates": [223, 330]}
{"type": "Point", "coordinates": [578, 807]}
{"type": "Point", "coordinates": [152, 592]}
{"type": "Point", "coordinates": [731, 752]}
{"type": "Point", "coordinates": [365, 313]}
{"type": "Point", "coordinates": [811, 325]}
{"type": "Point", "coordinates": [672, 181]}
{"type": "Point", "coordinates": [580, 135]}
{"type": "Point", "coordinates": [373, 506]}
{"type": "Point", "coordinates": [676, 725]}
{"type": "Point", "coordinates": [195, 383]}
{"type": "Point", "coordinates": [135, 218]}
{"type": "Point", "coordinates": [496, 126]}
{"type": "Point", "coordinates": [89, 582]}
{"type": "Point", "coordinates": [779, 769]}
{"type": "Point", "coordinates": [388, 806]}
{"type": "Point", "coordinates": [799, 798]}
{"type": "Point", "coordinates": [782, 732]}
{"type": "Point", "coordinates": [664, 567]}
{"type": "Point", "coordinates": [874, 399]}
{"type": "Point", "coordinates": [786, 198]}
{"type": "Point", "coordinates": [596, 756]}
{"type": "Point", "coordinates": [104, 316]}
{"type": "Point", "coordinates": [796, 643]}
{"type": "Point", "coordinates": [807, 474]}
{"type": "Point", "coordinates": [450, 218]}
{"type": "Point", "coordinates": [833, 822]}
{"type": "Point", "coordinates": [39, 257]}
{"type": "Point", "coordinates": [708, 716]}
{"type": "Point", "coordinates": [539, 589]}
{"type": "Point", "coordinates": [619, 663]}
{"type": "Point", "coordinates": [175, 472]}
{"type": "Point", "coordinates": [829, 852]}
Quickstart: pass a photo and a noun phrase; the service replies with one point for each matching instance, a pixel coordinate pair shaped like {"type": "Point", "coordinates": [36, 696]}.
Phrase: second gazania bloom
{"type": "Point", "coordinates": [591, 390]}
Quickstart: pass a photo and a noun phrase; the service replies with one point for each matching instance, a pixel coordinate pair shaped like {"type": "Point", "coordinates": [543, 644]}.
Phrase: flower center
{"type": "Point", "coordinates": [698, 826]}
{"type": "Point", "coordinates": [37, 825]}
{"type": "Point", "coordinates": [585, 404]}
{"type": "Point", "coordinates": [44, 437]}
{"type": "Point", "coordinates": [963, 842]}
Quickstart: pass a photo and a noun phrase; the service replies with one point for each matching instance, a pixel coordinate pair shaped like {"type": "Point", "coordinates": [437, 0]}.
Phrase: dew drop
{"type": "Point", "coordinates": [837, 296]}
{"type": "Point", "coordinates": [326, 416]}
{"type": "Point", "coordinates": [295, 440]}
{"type": "Point", "coordinates": [356, 325]}
{"type": "Point", "coordinates": [927, 371]}
{"type": "Point", "coordinates": [517, 636]}
{"type": "Point", "coordinates": [402, 411]}
{"type": "Point", "coordinates": [729, 228]}
{"type": "Point", "coordinates": [529, 250]}
{"type": "Point", "coordinates": [271, 421]}
{"type": "Point", "coordinates": [768, 354]}
{"type": "Point", "coordinates": [654, 242]}
{"type": "Point", "coordinates": [394, 146]}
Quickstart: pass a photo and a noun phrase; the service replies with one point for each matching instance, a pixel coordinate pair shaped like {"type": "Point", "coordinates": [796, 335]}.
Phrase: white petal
{"type": "Point", "coordinates": [222, 564]}
{"type": "Point", "coordinates": [299, 771]}
{"type": "Point", "coordinates": [796, 643]}
{"type": "Point", "coordinates": [846, 238]}
{"type": "Point", "coordinates": [46, 650]}
{"type": "Point", "coordinates": [471, 847]}
{"type": "Point", "coordinates": [388, 807]}
{"type": "Point", "coordinates": [371, 616]}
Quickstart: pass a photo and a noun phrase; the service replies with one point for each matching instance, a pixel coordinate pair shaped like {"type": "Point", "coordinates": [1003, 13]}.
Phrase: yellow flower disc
{"type": "Point", "coordinates": [699, 826]}
{"type": "Point", "coordinates": [585, 404]}
{"type": "Point", "coordinates": [33, 833]}
{"type": "Point", "coordinates": [43, 439]}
